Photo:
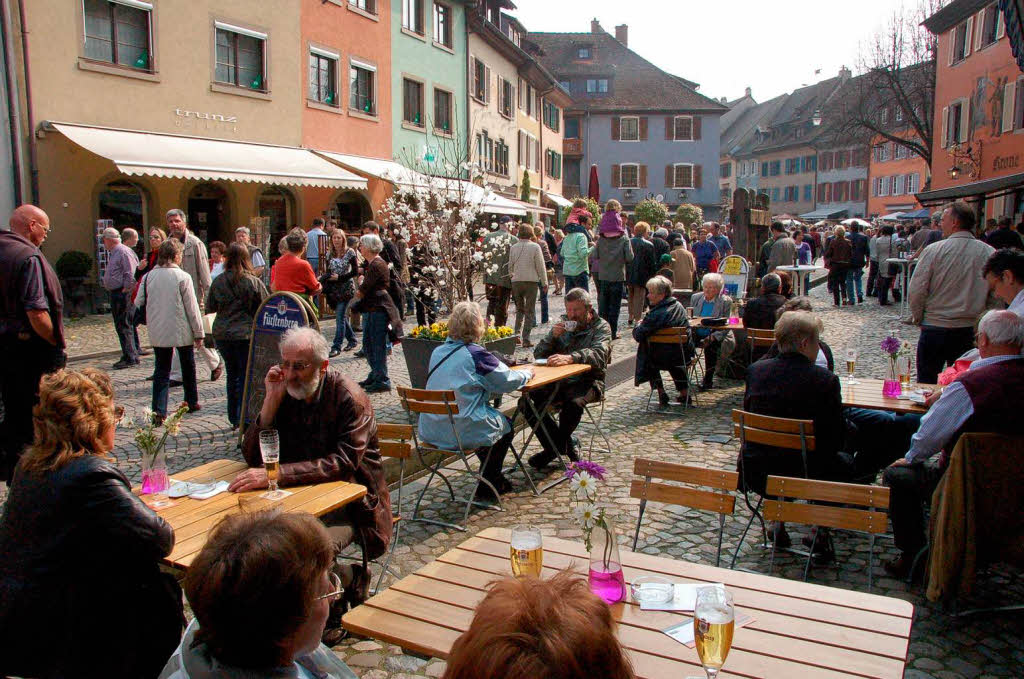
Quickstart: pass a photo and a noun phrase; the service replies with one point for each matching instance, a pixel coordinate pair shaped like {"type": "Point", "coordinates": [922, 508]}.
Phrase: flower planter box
{"type": "Point", "coordinates": [417, 356]}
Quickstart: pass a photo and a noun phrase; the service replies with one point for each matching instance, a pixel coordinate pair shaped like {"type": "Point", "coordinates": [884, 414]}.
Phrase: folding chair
{"type": "Point", "coordinates": [394, 440]}
{"type": "Point", "coordinates": [647, 490]}
{"type": "Point", "coordinates": [759, 338]}
{"type": "Point", "coordinates": [424, 401]}
{"type": "Point", "coordinates": [778, 432]}
{"type": "Point", "coordinates": [680, 336]}
{"type": "Point", "coordinates": [870, 515]}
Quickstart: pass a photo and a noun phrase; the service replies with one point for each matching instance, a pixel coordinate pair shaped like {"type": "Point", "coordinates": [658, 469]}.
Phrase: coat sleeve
{"type": "Point", "coordinates": [920, 285]}
{"type": "Point", "coordinates": [192, 312]}
{"type": "Point", "coordinates": [538, 264]}
{"type": "Point", "coordinates": [203, 269]}
{"type": "Point", "coordinates": [596, 353]}
{"type": "Point", "coordinates": [104, 502]}
{"type": "Point", "coordinates": [354, 429]}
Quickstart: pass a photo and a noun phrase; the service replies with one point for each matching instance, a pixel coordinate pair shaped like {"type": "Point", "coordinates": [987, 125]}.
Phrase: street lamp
{"type": "Point", "coordinates": [954, 172]}
{"type": "Point", "coordinates": [816, 118]}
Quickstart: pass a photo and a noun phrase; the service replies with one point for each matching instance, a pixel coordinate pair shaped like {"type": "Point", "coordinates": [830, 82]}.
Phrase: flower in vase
{"type": "Point", "coordinates": [583, 484]}
{"type": "Point", "coordinates": [891, 345]}
{"type": "Point", "coordinates": [587, 513]}
{"type": "Point", "coordinates": [585, 466]}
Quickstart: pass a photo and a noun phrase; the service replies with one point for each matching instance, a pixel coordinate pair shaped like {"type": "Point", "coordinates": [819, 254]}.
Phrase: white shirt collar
{"type": "Point", "coordinates": [1017, 305]}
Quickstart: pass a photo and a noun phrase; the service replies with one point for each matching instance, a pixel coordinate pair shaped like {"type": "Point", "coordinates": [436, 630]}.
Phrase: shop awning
{"type": "Point", "coordinates": [387, 170]}
{"type": "Point", "coordinates": [824, 213]}
{"type": "Point", "coordinates": [892, 217]}
{"type": "Point", "coordinates": [558, 200]}
{"type": "Point", "coordinates": [530, 207]}
{"type": "Point", "coordinates": [916, 214]}
{"type": "Point", "coordinates": [989, 188]}
{"type": "Point", "coordinates": [169, 155]}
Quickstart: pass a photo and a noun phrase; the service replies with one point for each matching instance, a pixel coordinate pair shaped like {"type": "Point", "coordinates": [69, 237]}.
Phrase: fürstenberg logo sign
{"type": "Point", "coordinates": [185, 113]}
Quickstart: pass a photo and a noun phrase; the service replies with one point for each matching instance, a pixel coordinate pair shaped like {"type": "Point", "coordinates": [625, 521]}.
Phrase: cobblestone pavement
{"type": "Point", "coordinates": [941, 646]}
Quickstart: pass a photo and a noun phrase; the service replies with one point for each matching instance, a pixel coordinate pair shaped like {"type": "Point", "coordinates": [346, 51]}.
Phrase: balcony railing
{"type": "Point", "coordinates": [572, 147]}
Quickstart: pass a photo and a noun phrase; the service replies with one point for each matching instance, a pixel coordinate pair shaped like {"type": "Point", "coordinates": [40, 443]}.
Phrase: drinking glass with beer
{"type": "Point", "coordinates": [270, 450]}
{"type": "Point", "coordinates": [526, 551]}
{"type": "Point", "coordinates": [713, 622]}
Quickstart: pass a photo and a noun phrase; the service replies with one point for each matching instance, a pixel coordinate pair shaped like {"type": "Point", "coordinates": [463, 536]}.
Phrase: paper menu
{"type": "Point", "coordinates": [684, 600]}
{"type": "Point", "coordinates": [683, 632]}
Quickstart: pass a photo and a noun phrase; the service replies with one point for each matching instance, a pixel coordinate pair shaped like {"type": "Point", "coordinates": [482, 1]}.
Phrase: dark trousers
{"type": "Point", "coordinates": [24, 364]}
{"type": "Point", "coordinates": [426, 312]}
{"type": "Point", "coordinates": [882, 286]}
{"type": "Point", "coordinates": [342, 328]}
{"type": "Point", "coordinates": [375, 340]}
{"type": "Point", "coordinates": [878, 437]}
{"type": "Point", "coordinates": [556, 436]}
{"type": "Point", "coordinates": [872, 278]}
{"type": "Point", "coordinates": [939, 347]}
{"type": "Point", "coordinates": [609, 302]}
{"type": "Point", "coordinates": [236, 358]}
{"type": "Point", "coordinates": [497, 304]}
{"type": "Point", "coordinates": [162, 377]}
{"type": "Point", "coordinates": [678, 374]}
{"type": "Point", "coordinates": [910, 486]}
{"type": "Point", "coordinates": [543, 304]}
{"type": "Point", "coordinates": [123, 326]}
{"type": "Point", "coordinates": [711, 352]}
{"type": "Point", "coordinates": [498, 451]}
{"type": "Point", "coordinates": [579, 281]}
{"type": "Point", "coordinates": [837, 281]}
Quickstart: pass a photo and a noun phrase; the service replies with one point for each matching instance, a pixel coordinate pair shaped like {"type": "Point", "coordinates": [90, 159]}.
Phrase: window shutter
{"type": "Point", "coordinates": [536, 145]}
{"type": "Point", "coordinates": [696, 128]}
{"type": "Point", "coordinates": [945, 126]}
{"type": "Point", "coordinates": [519, 93]}
{"type": "Point", "coordinates": [616, 176]}
{"type": "Point", "coordinates": [821, 193]}
{"type": "Point", "coordinates": [519, 148]}
{"type": "Point", "coordinates": [980, 21]}
{"type": "Point", "coordinates": [670, 124]}
{"type": "Point", "coordinates": [698, 175]}
{"type": "Point", "coordinates": [965, 119]}
{"type": "Point", "coordinates": [1009, 98]}
{"type": "Point", "coordinates": [487, 84]}
{"type": "Point", "coordinates": [642, 172]}
{"type": "Point", "coordinates": [1000, 25]}
{"type": "Point", "coordinates": [615, 128]}
{"type": "Point", "coordinates": [968, 36]}
{"type": "Point", "coordinates": [643, 128]}
{"type": "Point", "coordinates": [670, 177]}
{"type": "Point", "coordinates": [952, 47]}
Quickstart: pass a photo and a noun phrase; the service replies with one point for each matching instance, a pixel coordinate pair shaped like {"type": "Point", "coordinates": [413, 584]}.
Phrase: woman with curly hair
{"type": "Point", "coordinates": [82, 592]}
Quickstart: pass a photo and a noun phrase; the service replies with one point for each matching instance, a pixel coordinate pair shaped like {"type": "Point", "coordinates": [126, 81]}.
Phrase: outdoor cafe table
{"type": "Point", "coordinates": [695, 323]}
{"type": "Point", "coordinates": [868, 394]}
{"type": "Point", "coordinates": [192, 520]}
{"type": "Point", "coordinates": [798, 271]}
{"type": "Point", "coordinates": [799, 629]}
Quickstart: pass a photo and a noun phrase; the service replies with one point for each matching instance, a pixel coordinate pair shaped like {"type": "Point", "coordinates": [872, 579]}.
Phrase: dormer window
{"type": "Point", "coordinates": [585, 52]}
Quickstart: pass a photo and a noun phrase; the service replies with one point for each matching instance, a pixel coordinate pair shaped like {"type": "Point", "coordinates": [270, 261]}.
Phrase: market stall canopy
{"type": "Point", "coordinates": [892, 216]}
{"type": "Point", "coordinates": [169, 155]}
{"type": "Point", "coordinates": [858, 222]}
{"type": "Point", "coordinates": [558, 200]}
{"type": "Point", "coordinates": [824, 214]}
{"type": "Point", "coordinates": [916, 214]}
{"type": "Point", "coordinates": [530, 207]}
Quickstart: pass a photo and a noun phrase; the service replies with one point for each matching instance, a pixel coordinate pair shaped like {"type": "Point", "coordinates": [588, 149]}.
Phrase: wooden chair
{"type": "Point", "coordinates": [759, 338]}
{"type": "Point", "coordinates": [395, 442]}
{"type": "Point", "coordinates": [680, 336]}
{"type": "Point", "coordinates": [424, 401]}
{"type": "Point", "coordinates": [868, 515]}
{"type": "Point", "coordinates": [648, 490]}
{"type": "Point", "coordinates": [778, 432]}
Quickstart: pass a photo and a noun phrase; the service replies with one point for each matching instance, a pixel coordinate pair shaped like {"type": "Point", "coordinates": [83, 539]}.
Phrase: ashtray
{"type": "Point", "coordinates": [652, 589]}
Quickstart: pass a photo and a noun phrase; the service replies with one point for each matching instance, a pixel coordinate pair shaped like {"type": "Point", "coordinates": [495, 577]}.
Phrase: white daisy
{"type": "Point", "coordinates": [584, 484]}
{"type": "Point", "coordinates": [587, 514]}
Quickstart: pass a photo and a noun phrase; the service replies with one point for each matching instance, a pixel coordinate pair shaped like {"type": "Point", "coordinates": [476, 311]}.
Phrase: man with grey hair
{"type": "Point", "coordinates": [761, 311]}
{"type": "Point", "coordinates": [985, 398]}
{"type": "Point", "coordinates": [130, 237]}
{"type": "Point", "coordinates": [381, 318]}
{"type": "Point", "coordinates": [119, 281]}
{"type": "Point", "coordinates": [327, 432]}
{"type": "Point", "coordinates": [259, 263]}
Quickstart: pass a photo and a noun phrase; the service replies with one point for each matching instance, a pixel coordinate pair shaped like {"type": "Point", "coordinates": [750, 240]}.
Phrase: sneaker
{"type": "Point", "coordinates": [334, 352]}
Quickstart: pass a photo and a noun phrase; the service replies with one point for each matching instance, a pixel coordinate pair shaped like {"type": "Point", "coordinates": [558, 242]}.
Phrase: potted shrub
{"type": "Point", "coordinates": [652, 212]}
{"type": "Point", "coordinates": [421, 341]}
{"type": "Point", "coordinates": [73, 268]}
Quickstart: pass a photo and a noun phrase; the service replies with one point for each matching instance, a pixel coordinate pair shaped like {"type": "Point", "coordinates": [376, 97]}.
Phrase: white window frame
{"type": "Point", "coordinates": [420, 6]}
{"type": "Point", "coordinates": [675, 128]}
{"type": "Point", "coordinates": [356, 63]}
{"type": "Point", "coordinates": [675, 175]}
{"type": "Point", "coordinates": [622, 120]}
{"type": "Point", "coordinates": [622, 175]}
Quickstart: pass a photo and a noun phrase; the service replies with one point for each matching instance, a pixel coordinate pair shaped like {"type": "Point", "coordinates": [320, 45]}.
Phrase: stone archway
{"type": "Point", "coordinates": [351, 209]}
{"type": "Point", "coordinates": [209, 212]}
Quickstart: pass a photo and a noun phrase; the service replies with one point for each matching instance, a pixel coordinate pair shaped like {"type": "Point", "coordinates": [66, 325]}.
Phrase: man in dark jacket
{"type": "Point", "coordinates": [651, 359]}
{"type": "Point", "coordinates": [858, 260]}
{"type": "Point", "coordinates": [1004, 236]}
{"type": "Point", "coordinates": [641, 269]}
{"type": "Point", "coordinates": [760, 312]}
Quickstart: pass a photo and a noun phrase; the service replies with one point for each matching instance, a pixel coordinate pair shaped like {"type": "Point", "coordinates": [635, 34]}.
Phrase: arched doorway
{"type": "Point", "coordinates": [278, 205]}
{"type": "Point", "coordinates": [125, 204]}
{"type": "Point", "coordinates": [208, 215]}
{"type": "Point", "coordinates": [352, 210]}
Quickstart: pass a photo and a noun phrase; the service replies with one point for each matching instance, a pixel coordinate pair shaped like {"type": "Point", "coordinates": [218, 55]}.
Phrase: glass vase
{"type": "Point", "coordinates": [891, 384]}
{"type": "Point", "coordinates": [155, 480]}
{"type": "Point", "coordinates": [605, 577]}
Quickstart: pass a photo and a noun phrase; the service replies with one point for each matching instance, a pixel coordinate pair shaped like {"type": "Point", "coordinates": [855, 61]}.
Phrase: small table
{"type": "Point", "coordinates": [868, 394]}
{"type": "Point", "coordinates": [798, 271]}
{"type": "Point", "coordinates": [696, 323]}
{"type": "Point", "coordinates": [192, 520]}
{"type": "Point", "coordinates": [905, 266]}
{"type": "Point", "coordinates": [799, 629]}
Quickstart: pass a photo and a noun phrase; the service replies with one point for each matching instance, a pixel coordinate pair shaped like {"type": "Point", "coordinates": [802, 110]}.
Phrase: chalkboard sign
{"type": "Point", "coordinates": [279, 312]}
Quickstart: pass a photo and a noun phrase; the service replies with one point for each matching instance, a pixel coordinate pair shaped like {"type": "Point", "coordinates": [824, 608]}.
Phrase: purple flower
{"type": "Point", "coordinates": [592, 468]}
{"type": "Point", "coordinates": [891, 345]}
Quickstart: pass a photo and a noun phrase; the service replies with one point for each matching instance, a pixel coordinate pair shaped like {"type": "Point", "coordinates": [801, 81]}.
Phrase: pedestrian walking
{"type": "Point", "coordinates": [614, 256]}
{"type": "Point", "coordinates": [885, 248]}
{"type": "Point", "coordinates": [858, 258]}
{"type": "Point", "coordinates": [313, 253]}
{"type": "Point", "coordinates": [340, 287]}
{"type": "Point", "coordinates": [119, 281]}
{"type": "Point", "coordinates": [526, 264]}
{"type": "Point", "coordinates": [641, 270]}
{"type": "Point", "coordinates": [549, 267]}
{"type": "Point", "coordinates": [292, 272]}
{"type": "Point", "coordinates": [557, 255]}
{"type": "Point", "coordinates": [837, 256]}
{"type": "Point", "coordinates": [175, 324]}
{"type": "Point", "coordinates": [704, 252]}
{"type": "Point", "coordinates": [235, 296]}
{"type": "Point", "coordinates": [497, 277]}
{"type": "Point", "coordinates": [374, 302]}
{"type": "Point", "coordinates": [575, 252]}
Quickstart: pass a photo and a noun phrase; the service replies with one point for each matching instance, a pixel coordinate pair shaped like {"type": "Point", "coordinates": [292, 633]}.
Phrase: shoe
{"type": "Point", "coordinates": [860, 300]}
{"type": "Point", "coordinates": [483, 491]}
{"type": "Point", "coordinates": [574, 449]}
{"type": "Point", "coordinates": [145, 352]}
{"type": "Point", "coordinates": [821, 542]}
{"type": "Point", "coordinates": [192, 407]}
{"type": "Point", "coordinates": [663, 399]}
{"type": "Point", "coordinates": [358, 590]}
{"type": "Point", "coordinates": [122, 364]}
{"type": "Point", "coordinates": [376, 388]}
{"type": "Point", "coordinates": [175, 383]}
{"type": "Point", "coordinates": [899, 567]}
{"type": "Point", "coordinates": [630, 323]}
{"type": "Point", "coordinates": [541, 460]}
{"type": "Point", "coordinates": [777, 534]}
{"type": "Point", "coordinates": [823, 556]}
{"type": "Point", "coordinates": [150, 378]}
{"type": "Point", "coordinates": [334, 352]}
{"type": "Point", "coordinates": [217, 372]}
{"type": "Point", "coordinates": [363, 383]}
{"type": "Point", "coordinates": [360, 354]}
{"type": "Point", "coordinates": [350, 347]}
{"type": "Point", "coordinates": [158, 419]}
{"type": "Point", "coordinates": [389, 350]}
{"type": "Point", "coordinates": [706, 385]}
{"type": "Point", "coordinates": [684, 398]}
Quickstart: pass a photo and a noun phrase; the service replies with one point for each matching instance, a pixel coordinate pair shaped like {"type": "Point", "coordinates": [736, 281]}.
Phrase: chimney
{"type": "Point", "coordinates": [622, 34]}
{"type": "Point", "coordinates": [724, 100]}
{"type": "Point", "coordinates": [746, 92]}
{"type": "Point", "coordinates": [844, 73]}
{"type": "Point", "coordinates": [595, 26]}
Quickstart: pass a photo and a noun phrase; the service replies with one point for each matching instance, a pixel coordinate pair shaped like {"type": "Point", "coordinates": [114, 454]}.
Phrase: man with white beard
{"type": "Point", "coordinates": [327, 432]}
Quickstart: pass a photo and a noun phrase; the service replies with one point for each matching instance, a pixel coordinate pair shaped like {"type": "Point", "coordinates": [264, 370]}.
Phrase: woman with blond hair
{"type": "Point", "coordinates": [82, 592]}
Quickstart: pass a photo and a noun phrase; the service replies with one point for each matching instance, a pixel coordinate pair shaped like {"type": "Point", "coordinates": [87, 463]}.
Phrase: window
{"type": "Point", "coordinates": [725, 170]}
{"type": "Point", "coordinates": [629, 176]}
{"type": "Point", "coordinates": [990, 25]}
{"type": "Point", "coordinates": [529, 151]}
{"type": "Point", "coordinates": [505, 104]}
{"type": "Point", "coordinates": [553, 164]}
{"type": "Point", "coordinates": [808, 192]}
{"type": "Point", "coordinates": [323, 77]}
{"type": "Point", "coordinates": [566, 85]}
{"type": "Point", "coordinates": [361, 88]}
{"type": "Point", "coordinates": [885, 115]}
{"type": "Point", "coordinates": [597, 86]}
{"type": "Point", "coordinates": [485, 151]}
{"type": "Point", "coordinates": [552, 116]}
{"type": "Point", "coordinates": [913, 183]}
{"type": "Point", "coordinates": [956, 122]}
{"type": "Point", "coordinates": [775, 194]}
{"type": "Point", "coordinates": [526, 98]}
{"type": "Point", "coordinates": [501, 158]}
{"type": "Point", "coordinates": [481, 81]}
{"type": "Point", "coordinates": [775, 167]}
{"type": "Point", "coordinates": [900, 152]}
{"type": "Point", "coordinates": [442, 110]}
{"type": "Point", "coordinates": [443, 25]}
{"type": "Point", "coordinates": [583, 53]}
{"type": "Point", "coordinates": [629, 128]}
{"type": "Point", "coordinates": [882, 153]}
{"type": "Point", "coordinates": [961, 41]}
{"type": "Point", "coordinates": [682, 176]}
{"type": "Point", "coordinates": [764, 169]}
{"type": "Point", "coordinates": [899, 114]}
{"type": "Point", "coordinates": [895, 185]}
{"type": "Point", "coordinates": [572, 128]}
{"type": "Point", "coordinates": [118, 33]}
{"type": "Point", "coordinates": [240, 57]}
{"type": "Point", "coordinates": [809, 163]}
{"type": "Point", "coordinates": [682, 128]}
{"type": "Point", "coordinates": [412, 104]}
{"type": "Point", "coordinates": [412, 15]}
{"type": "Point", "coordinates": [369, 6]}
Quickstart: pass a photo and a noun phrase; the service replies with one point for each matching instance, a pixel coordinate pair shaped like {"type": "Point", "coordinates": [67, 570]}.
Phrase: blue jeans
{"type": "Point", "coordinates": [342, 326]}
{"type": "Point", "coordinates": [236, 358]}
{"type": "Point", "coordinates": [579, 281]}
{"type": "Point", "coordinates": [162, 376]}
{"type": "Point", "coordinates": [855, 283]}
{"type": "Point", "coordinates": [609, 302]}
{"type": "Point", "coordinates": [375, 340]}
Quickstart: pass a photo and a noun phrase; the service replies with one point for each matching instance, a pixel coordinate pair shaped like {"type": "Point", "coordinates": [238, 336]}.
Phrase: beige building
{"type": "Point", "coordinates": [493, 130]}
{"type": "Point", "coordinates": [137, 107]}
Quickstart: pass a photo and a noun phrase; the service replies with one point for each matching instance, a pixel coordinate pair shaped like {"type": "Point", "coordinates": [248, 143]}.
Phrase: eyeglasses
{"type": "Point", "coordinates": [297, 366]}
{"type": "Point", "coordinates": [336, 591]}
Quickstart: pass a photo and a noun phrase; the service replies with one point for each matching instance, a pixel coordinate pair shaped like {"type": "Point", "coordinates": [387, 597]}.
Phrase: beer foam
{"type": "Point", "coordinates": [526, 542]}
{"type": "Point", "coordinates": [715, 615]}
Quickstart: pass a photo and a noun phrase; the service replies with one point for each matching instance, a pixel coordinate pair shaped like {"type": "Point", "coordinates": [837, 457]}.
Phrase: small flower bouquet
{"type": "Point", "coordinates": [152, 443]}
{"type": "Point", "coordinates": [897, 352]}
{"type": "Point", "coordinates": [605, 576]}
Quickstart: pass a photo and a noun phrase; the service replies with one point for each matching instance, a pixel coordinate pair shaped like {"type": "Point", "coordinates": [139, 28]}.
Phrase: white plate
{"type": "Point", "coordinates": [540, 361]}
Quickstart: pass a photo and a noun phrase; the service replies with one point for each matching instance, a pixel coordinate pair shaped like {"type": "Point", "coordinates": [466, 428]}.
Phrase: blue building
{"type": "Point", "coordinates": [648, 132]}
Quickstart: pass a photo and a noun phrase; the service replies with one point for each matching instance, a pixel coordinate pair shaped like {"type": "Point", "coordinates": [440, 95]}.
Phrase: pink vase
{"type": "Point", "coordinates": [891, 385]}
{"type": "Point", "coordinates": [605, 576]}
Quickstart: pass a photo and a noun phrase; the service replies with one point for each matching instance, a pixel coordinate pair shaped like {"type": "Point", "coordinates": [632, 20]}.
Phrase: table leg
{"type": "Point", "coordinates": [540, 421]}
{"type": "Point", "coordinates": [519, 456]}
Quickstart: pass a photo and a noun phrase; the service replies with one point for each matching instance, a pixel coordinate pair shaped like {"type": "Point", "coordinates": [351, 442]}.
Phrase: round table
{"type": "Point", "coordinates": [798, 272]}
{"type": "Point", "coordinates": [905, 266]}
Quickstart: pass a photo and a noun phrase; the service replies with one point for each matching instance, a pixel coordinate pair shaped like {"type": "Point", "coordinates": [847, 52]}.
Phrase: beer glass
{"type": "Point", "coordinates": [713, 623]}
{"type": "Point", "coordinates": [270, 449]}
{"type": "Point", "coordinates": [851, 364]}
{"type": "Point", "coordinates": [526, 551]}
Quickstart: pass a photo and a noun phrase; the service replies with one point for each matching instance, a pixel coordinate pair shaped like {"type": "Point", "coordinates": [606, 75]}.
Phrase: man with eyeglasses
{"type": "Point", "coordinates": [328, 433]}
{"type": "Point", "coordinates": [31, 328]}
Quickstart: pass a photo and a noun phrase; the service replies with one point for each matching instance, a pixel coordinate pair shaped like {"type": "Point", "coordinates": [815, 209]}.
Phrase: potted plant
{"type": "Point", "coordinates": [421, 341]}
{"type": "Point", "coordinates": [652, 212]}
{"type": "Point", "coordinates": [73, 267]}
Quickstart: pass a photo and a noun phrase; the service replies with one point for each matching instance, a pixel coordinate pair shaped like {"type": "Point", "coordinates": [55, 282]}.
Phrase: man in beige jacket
{"type": "Point", "coordinates": [526, 264]}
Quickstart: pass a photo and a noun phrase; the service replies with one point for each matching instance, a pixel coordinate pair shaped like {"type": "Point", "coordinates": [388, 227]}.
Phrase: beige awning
{"type": "Point", "coordinates": [387, 170]}
{"type": "Point", "coordinates": [558, 200]}
{"type": "Point", "coordinates": [169, 155]}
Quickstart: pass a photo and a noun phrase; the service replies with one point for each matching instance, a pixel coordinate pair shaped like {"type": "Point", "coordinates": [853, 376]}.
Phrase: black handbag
{"type": "Point", "coordinates": [139, 315]}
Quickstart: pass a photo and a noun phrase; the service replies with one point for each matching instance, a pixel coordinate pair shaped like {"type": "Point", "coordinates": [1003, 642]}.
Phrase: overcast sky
{"type": "Point", "coordinates": [727, 45]}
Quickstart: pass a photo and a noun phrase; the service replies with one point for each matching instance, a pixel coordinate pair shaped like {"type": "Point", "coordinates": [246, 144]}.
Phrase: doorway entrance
{"type": "Point", "coordinates": [125, 204]}
{"type": "Point", "coordinates": [208, 215]}
{"type": "Point", "coordinates": [352, 210]}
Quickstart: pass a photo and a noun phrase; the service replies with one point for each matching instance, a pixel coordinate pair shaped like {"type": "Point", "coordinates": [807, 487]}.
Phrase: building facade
{"type": "Point", "coordinates": [841, 190]}
{"type": "Point", "coordinates": [896, 177]}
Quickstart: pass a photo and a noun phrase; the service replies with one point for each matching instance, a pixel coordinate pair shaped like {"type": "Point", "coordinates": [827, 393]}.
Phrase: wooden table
{"type": "Point", "coordinates": [543, 375]}
{"type": "Point", "coordinates": [695, 323]}
{"type": "Point", "coordinates": [868, 394]}
{"type": "Point", "coordinates": [799, 629]}
{"type": "Point", "coordinates": [192, 520]}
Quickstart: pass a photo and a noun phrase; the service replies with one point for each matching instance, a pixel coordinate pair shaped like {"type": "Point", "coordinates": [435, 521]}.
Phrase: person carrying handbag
{"type": "Point", "coordinates": [340, 287]}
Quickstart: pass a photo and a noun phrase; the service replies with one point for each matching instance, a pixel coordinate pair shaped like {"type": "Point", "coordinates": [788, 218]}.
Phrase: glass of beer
{"type": "Point", "coordinates": [851, 365]}
{"type": "Point", "coordinates": [526, 551]}
{"type": "Point", "coordinates": [270, 450]}
{"type": "Point", "coordinates": [903, 368]}
{"type": "Point", "coordinates": [713, 623]}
